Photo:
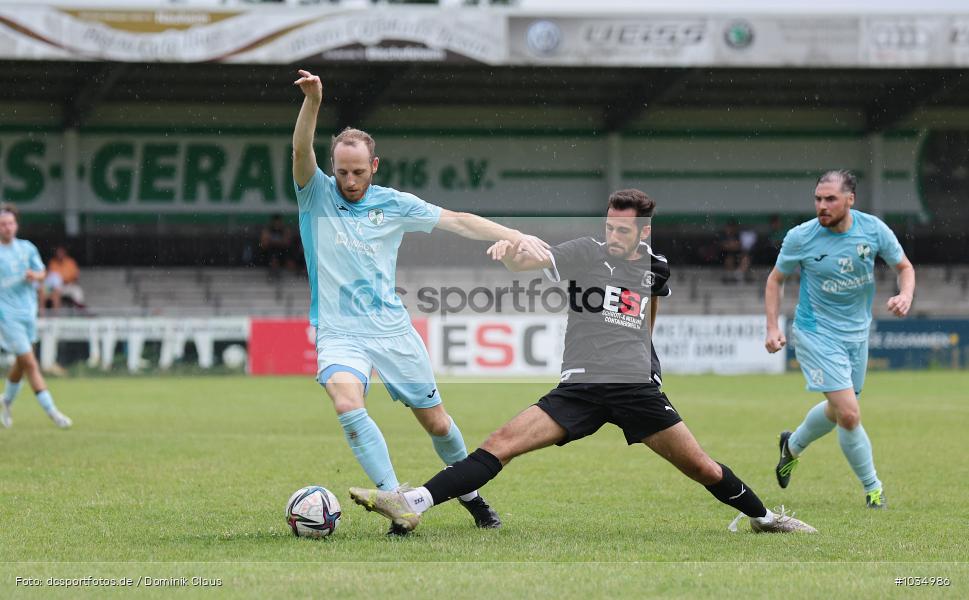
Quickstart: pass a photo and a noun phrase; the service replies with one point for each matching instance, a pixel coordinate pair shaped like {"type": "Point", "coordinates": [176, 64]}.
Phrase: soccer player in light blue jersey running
{"type": "Point", "coordinates": [20, 269]}
{"type": "Point", "coordinates": [351, 231]}
{"type": "Point", "coordinates": [836, 254]}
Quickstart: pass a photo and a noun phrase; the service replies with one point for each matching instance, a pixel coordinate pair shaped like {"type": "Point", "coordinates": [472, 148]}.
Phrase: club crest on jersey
{"type": "Point", "coordinates": [864, 251]}
{"type": "Point", "coordinates": [376, 216]}
{"type": "Point", "coordinates": [648, 279]}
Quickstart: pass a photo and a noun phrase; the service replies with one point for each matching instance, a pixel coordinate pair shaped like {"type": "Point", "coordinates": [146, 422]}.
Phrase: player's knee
{"type": "Point", "coordinates": [438, 426]}
{"type": "Point", "coordinates": [345, 406]}
{"type": "Point", "coordinates": [704, 471]}
{"type": "Point", "coordinates": [344, 400]}
{"type": "Point", "coordinates": [499, 445]}
{"type": "Point", "coordinates": [345, 391]}
{"type": "Point", "coordinates": [849, 419]}
{"type": "Point", "coordinates": [28, 362]}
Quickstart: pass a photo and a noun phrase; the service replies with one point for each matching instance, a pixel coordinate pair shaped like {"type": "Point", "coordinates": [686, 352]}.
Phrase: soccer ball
{"type": "Point", "coordinates": [313, 512]}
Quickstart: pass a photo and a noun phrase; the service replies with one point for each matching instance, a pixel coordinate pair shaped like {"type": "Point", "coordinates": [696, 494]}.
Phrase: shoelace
{"type": "Point", "coordinates": [781, 513]}
{"type": "Point", "coordinates": [789, 467]}
{"type": "Point", "coordinates": [736, 521]}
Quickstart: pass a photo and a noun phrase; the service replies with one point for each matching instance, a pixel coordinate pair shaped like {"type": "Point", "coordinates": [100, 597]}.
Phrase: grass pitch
{"type": "Point", "coordinates": [188, 477]}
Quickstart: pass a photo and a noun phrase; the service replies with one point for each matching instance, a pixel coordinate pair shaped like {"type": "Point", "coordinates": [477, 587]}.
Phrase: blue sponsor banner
{"type": "Point", "coordinates": [914, 344]}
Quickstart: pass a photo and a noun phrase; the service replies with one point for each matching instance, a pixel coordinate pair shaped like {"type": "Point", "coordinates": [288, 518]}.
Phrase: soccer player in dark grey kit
{"type": "Point", "coordinates": [610, 374]}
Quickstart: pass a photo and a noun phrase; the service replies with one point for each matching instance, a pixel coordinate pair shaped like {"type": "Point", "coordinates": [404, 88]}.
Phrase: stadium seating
{"type": "Point", "coordinates": [190, 291]}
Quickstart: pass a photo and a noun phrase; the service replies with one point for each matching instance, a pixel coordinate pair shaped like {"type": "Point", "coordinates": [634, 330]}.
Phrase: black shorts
{"type": "Point", "coordinates": [639, 409]}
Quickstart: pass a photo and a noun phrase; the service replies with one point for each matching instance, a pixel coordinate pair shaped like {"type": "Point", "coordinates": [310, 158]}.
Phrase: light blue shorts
{"type": "Point", "coordinates": [828, 363]}
{"type": "Point", "coordinates": [401, 361]}
{"type": "Point", "coordinates": [18, 334]}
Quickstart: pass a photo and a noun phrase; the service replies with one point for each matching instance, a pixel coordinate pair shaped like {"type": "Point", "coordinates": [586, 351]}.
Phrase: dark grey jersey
{"type": "Point", "coordinates": [607, 337]}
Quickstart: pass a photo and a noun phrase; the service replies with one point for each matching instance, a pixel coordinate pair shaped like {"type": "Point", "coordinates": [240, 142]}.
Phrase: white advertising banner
{"type": "Point", "coordinates": [960, 41]}
{"type": "Point", "coordinates": [276, 34]}
{"type": "Point", "coordinates": [483, 347]}
{"type": "Point", "coordinates": [724, 344]}
{"type": "Point", "coordinates": [266, 34]}
{"type": "Point", "coordinates": [497, 346]}
{"type": "Point", "coordinates": [752, 39]}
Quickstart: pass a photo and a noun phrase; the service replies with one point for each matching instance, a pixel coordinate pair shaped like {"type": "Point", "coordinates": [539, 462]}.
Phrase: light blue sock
{"type": "Point", "coordinates": [857, 449]}
{"type": "Point", "coordinates": [46, 401]}
{"type": "Point", "coordinates": [450, 446]}
{"type": "Point", "coordinates": [369, 447]}
{"type": "Point", "coordinates": [815, 425]}
{"type": "Point", "coordinates": [10, 392]}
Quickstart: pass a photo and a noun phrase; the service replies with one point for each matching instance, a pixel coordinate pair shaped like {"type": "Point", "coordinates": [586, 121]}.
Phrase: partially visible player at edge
{"type": "Point", "coordinates": [836, 253]}
{"type": "Point", "coordinates": [351, 230]}
{"type": "Point", "coordinates": [610, 374]}
{"type": "Point", "coordinates": [21, 268]}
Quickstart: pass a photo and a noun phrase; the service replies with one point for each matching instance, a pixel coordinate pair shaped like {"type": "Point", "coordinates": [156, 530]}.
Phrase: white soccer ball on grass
{"type": "Point", "coordinates": [313, 512]}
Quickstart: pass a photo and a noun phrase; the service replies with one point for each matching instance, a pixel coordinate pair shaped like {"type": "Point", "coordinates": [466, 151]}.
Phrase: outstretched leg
{"type": "Point", "coordinates": [677, 445]}
{"type": "Point", "coordinates": [530, 430]}
{"type": "Point", "coordinates": [449, 445]}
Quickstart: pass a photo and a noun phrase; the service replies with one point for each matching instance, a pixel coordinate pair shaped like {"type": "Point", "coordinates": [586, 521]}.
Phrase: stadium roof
{"type": "Point", "coordinates": [881, 97]}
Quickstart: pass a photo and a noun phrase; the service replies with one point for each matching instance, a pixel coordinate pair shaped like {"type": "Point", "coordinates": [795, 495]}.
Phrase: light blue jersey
{"type": "Point", "coordinates": [837, 274]}
{"type": "Point", "coordinates": [351, 255]}
{"type": "Point", "coordinates": [18, 297]}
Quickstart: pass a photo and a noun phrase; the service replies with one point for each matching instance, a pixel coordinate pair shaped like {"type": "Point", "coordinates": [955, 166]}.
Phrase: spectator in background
{"type": "Point", "coordinates": [775, 237]}
{"type": "Point", "coordinates": [276, 246]}
{"type": "Point", "coordinates": [769, 245]}
{"type": "Point", "coordinates": [735, 247]}
{"type": "Point", "coordinates": [748, 244]}
{"type": "Point", "coordinates": [729, 243]}
{"type": "Point", "coordinates": [61, 283]}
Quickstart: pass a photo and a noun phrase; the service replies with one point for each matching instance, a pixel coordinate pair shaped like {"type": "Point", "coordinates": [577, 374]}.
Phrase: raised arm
{"type": "Point", "coordinates": [899, 305]}
{"type": "Point", "coordinates": [304, 158]}
{"type": "Point", "coordinates": [772, 305]}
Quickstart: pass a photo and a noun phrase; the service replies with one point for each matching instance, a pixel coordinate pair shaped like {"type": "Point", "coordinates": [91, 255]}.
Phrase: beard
{"type": "Point", "coordinates": [833, 222]}
{"type": "Point", "coordinates": [620, 252]}
{"type": "Point", "coordinates": [356, 196]}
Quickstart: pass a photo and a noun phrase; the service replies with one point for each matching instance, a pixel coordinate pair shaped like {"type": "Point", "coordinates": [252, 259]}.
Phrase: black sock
{"type": "Point", "coordinates": [464, 476]}
{"type": "Point", "coordinates": [730, 490]}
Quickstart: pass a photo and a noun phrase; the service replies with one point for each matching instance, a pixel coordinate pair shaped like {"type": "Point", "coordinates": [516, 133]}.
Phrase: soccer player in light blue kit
{"type": "Point", "coordinates": [836, 253]}
{"type": "Point", "coordinates": [351, 231]}
{"type": "Point", "coordinates": [20, 269]}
